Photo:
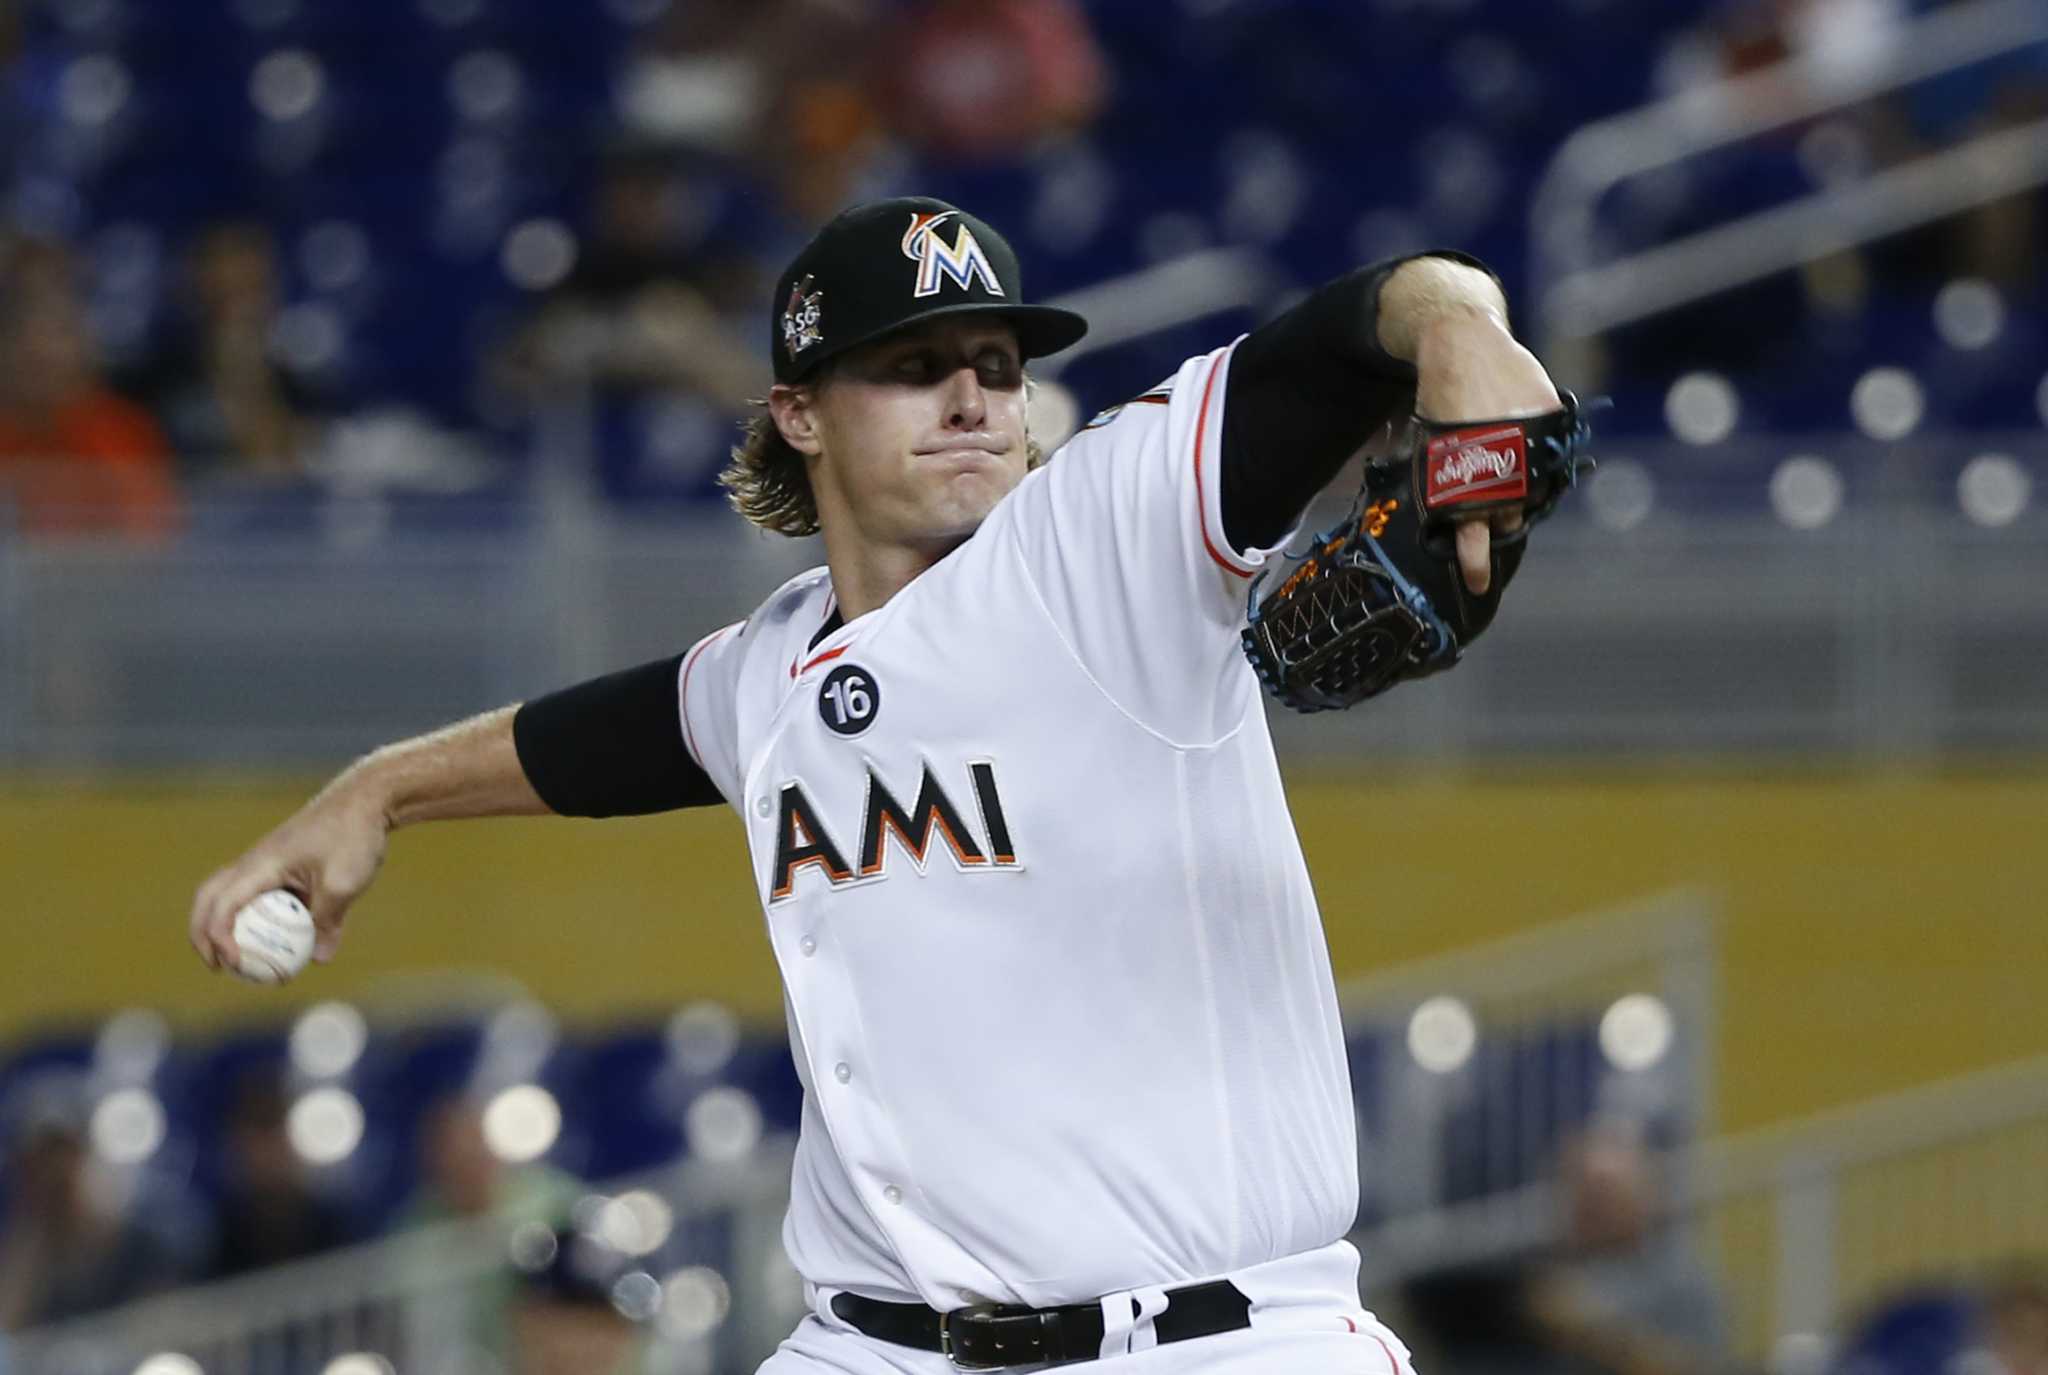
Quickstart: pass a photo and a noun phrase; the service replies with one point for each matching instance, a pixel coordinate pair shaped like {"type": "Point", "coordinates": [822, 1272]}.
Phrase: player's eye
{"type": "Point", "coordinates": [999, 369]}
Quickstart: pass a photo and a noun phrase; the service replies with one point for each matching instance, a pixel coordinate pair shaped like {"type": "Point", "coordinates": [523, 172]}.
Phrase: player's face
{"type": "Point", "coordinates": [922, 433]}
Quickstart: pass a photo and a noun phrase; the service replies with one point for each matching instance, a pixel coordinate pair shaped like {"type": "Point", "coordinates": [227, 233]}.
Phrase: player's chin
{"type": "Point", "coordinates": [958, 507]}
{"type": "Point", "coordinates": [976, 484]}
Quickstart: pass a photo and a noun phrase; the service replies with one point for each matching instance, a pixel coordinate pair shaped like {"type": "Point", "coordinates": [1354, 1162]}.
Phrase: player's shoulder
{"type": "Point", "coordinates": [1158, 408]}
{"type": "Point", "coordinates": [784, 621]}
{"type": "Point", "coordinates": [797, 607]}
{"type": "Point", "coordinates": [805, 599]}
{"type": "Point", "coordinates": [1150, 405]}
{"type": "Point", "coordinates": [806, 592]}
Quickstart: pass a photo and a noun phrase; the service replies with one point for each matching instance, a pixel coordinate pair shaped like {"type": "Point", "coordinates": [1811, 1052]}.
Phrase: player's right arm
{"type": "Point", "coordinates": [1144, 536]}
{"type": "Point", "coordinates": [614, 746]}
{"type": "Point", "coordinates": [1426, 335]}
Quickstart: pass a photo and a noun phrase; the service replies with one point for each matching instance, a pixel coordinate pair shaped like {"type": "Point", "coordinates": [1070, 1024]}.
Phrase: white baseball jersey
{"type": "Point", "coordinates": [1056, 983]}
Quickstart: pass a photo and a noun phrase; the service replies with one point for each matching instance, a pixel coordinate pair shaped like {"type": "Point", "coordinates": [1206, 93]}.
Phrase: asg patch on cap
{"type": "Point", "coordinates": [802, 317]}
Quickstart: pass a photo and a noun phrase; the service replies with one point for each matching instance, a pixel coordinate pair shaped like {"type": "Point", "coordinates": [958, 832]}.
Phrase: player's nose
{"type": "Point", "coordinates": [966, 403]}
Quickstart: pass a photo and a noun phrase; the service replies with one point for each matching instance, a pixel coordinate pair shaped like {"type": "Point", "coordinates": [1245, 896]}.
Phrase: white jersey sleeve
{"type": "Point", "coordinates": [1122, 535]}
{"type": "Point", "coordinates": [707, 695]}
{"type": "Point", "coordinates": [733, 677]}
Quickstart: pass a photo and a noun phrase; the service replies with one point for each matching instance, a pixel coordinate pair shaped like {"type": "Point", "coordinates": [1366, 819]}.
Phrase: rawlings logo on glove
{"type": "Point", "coordinates": [1378, 600]}
{"type": "Point", "coordinates": [1465, 464]}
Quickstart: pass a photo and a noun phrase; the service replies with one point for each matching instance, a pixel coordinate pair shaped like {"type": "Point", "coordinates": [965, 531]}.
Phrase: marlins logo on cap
{"type": "Point", "coordinates": [962, 260]}
{"type": "Point", "coordinates": [963, 266]}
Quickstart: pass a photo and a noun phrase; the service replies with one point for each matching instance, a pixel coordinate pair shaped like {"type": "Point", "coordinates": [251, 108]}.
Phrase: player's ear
{"type": "Point", "coordinates": [794, 410]}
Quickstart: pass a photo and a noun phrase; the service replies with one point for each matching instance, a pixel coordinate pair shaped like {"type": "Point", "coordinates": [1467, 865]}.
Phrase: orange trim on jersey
{"type": "Point", "coordinates": [824, 658]}
{"type": "Point", "coordinates": [788, 884]}
{"type": "Point", "coordinates": [921, 854]}
{"type": "Point", "coordinates": [834, 874]}
{"type": "Point", "coordinates": [1201, 494]}
{"type": "Point", "coordinates": [966, 854]}
{"type": "Point", "coordinates": [690, 736]}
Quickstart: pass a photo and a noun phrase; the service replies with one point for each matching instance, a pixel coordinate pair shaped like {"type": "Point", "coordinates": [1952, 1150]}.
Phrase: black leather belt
{"type": "Point", "coordinates": [993, 1336]}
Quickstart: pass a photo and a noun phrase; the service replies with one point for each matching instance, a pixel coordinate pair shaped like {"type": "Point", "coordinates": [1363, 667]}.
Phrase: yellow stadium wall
{"type": "Point", "coordinates": [1878, 933]}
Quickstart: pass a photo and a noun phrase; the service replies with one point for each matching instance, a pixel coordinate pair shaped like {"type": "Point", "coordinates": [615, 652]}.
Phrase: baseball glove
{"type": "Point", "coordinates": [1378, 600]}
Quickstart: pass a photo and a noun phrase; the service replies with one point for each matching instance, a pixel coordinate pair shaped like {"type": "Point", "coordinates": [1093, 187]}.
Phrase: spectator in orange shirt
{"type": "Point", "coordinates": [74, 456]}
{"type": "Point", "coordinates": [977, 81]}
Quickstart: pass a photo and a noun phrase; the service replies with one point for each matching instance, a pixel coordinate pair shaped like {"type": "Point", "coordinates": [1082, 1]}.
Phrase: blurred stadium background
{"type": "Point", "coordinates": [367, 364]}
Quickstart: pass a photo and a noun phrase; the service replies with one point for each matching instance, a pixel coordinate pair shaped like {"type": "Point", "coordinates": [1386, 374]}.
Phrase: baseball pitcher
{"type": "Point", "coordinates": [1075, 1085]}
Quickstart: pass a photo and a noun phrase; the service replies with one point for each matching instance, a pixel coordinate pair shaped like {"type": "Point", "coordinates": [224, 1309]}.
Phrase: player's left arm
{"type": "Point", "coordinates": [1426, 335]}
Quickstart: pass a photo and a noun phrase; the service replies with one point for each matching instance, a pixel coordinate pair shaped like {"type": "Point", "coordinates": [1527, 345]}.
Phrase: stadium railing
{"type": "Point", "coordinates": [436, 1300]}
{"type": "Point", "coordinates": [1815, 1221]}
{"type": "Point", "coordinates": [1675, 612]}
{"type": "Point", "coordinates": [1481, 1120]}
{"type": "Point", "coordinates": [1580, 297]}
{"type": "Point", "coordinates": [1472, 1070]}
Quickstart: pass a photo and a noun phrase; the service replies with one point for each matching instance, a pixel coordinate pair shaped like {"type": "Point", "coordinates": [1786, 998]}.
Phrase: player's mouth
{"type": "Point", "coordinates": [966, 447]}
{"type": "Point", "coordinates": [968, 455]}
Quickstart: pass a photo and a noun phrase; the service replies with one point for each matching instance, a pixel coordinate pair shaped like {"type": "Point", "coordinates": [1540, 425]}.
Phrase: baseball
{"type": "Point", "coordinates": [274, 932]}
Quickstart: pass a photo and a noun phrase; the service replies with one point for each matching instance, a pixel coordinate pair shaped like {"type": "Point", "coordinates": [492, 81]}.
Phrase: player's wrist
{"type": "Point", "coordinates": [373, 790]}
{"type": "Point", "coordinates": [1459, 336]}
{"type": "Point", "coordinates": [1425, 296]}
{"type": "Point", "coordinates": [1470, 367]}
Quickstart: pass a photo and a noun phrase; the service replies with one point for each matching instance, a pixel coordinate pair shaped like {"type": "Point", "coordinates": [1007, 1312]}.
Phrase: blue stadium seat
{"type": "Point", "coordinates": [1911, 1334]}
{"type": "Point", "coordinates": [1506, 81]}
{"type": "Point", "coordinates": [1532, 1087]}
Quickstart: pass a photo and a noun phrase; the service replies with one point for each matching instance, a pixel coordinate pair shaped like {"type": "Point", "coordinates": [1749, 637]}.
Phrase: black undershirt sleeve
{"type": "Point", "coordinates": [1306, 390]}
{"type": "Point", "coordinates": [612, 746]}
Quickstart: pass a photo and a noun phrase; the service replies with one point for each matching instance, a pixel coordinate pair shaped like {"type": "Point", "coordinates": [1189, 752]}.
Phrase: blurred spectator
{"type": "Point", "coordinates": [74, 456]}
{"type": "Point", "coordinates": [71, 1244]}
{"type": "Point", "coordinates": [983, 79]}
{"type": "Point", "coordinates": [641, 310]}
{"type": "Point", "coordinates": [651, 222]}
{"type": "Point", "coordinates": [775, 85]}
{"type": "Point", "coordinates": [578, 1307]}
{"type": "Point", "coordinates": [215, 381]}
{"type": "Point", "coordinates": [1623, 1296]}
{"type": "Point", "coordinates": [2016, 1323]}
{"type": "Point", "coordinates": [1619, 1295]}
{"type": "Point", "coordinates": [1834, 42]}
{"type": "Point", "coordinates": [463, 1179]}
{"type": "Point", "coordinates": [268, 1215]}
{"type": "Point", "coordinates": [13, 125]}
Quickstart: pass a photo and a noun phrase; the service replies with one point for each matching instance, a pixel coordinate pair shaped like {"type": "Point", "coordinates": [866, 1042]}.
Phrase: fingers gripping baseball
{"type": "Point", "coordinates": [1475, 547]}
{"type": "Point", "coordinates": [1475, 556]}
{"type": "Point", "coordinates": [327, 854]}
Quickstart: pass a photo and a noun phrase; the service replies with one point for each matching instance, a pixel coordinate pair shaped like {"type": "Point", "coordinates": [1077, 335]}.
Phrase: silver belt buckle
{"type": "Point", "coordinates": [946, 1338]}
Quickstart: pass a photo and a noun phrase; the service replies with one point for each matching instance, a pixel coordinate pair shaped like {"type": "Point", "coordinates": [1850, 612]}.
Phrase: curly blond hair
{"type": "Point", "coordinates": [766, 481]}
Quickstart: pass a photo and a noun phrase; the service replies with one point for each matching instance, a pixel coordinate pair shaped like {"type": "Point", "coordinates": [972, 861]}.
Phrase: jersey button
{"type": "Point", "coordinates": [842, 1071]}
{"type": "Point", "coordinates": [809, 945]}
{"type": "Point", "coordinates": [762, 806]}
{"type": "Point", "coordinates": [893, 1194]}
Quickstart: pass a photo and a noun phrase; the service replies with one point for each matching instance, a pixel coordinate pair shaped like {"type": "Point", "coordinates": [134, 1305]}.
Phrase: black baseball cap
{"type": "Point", "coordinates": [878, 267]}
